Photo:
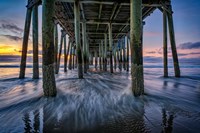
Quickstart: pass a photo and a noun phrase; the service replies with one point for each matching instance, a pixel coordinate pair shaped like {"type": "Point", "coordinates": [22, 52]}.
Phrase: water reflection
{"type": "Point", "coordinates": [27, 123]}
{"type": "Point", "coordinates": [32, 125]}
{"type": "Point", "coordinates": [77, 122]}
{"type": "Point", "coordinates": [36, 124]}
{"type": "Point", "coordinates": [167, 122]}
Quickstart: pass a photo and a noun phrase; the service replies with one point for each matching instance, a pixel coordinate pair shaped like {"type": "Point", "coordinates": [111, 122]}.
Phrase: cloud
{"type": "Point", "coordinates": [192, 53]}
{"type": "Point", "coordinates": [151, 52]}
{"type": "Point", "coordinates": [12, 38]}
{"type": "Point", "coordinates": [11, 27]}
{"type": "Point", "coordinates": [189, 45]}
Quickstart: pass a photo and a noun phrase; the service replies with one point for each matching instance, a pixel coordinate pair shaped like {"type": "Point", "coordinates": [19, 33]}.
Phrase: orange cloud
{"type": "Point", "coordinates": [9, 50]}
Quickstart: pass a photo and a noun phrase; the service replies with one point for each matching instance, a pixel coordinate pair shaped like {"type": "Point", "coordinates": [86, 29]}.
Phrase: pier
{"type": "Point", "coordinates": [107, 31]}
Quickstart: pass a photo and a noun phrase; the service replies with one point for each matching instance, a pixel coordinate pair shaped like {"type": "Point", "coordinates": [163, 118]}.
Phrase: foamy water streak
{"type": "Point", "coordinates": [101, 102]}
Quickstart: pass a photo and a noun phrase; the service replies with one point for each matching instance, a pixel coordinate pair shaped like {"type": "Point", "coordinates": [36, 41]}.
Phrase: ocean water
{"type": "Point", "coordinates": [101, 102]}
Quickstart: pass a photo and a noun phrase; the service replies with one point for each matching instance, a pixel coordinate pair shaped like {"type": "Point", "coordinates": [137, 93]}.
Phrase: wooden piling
{"type": "Point", "coordinates": [25, 43]}
{"type": "Point", "coordinates": [77, 37]}
{"type": "Point", "coordinates": [87, 53]}
{"type": "Point", "coordinates": [73, 58]}
{"type": "Point", "coordinates": [84, 46]}
{"type": "Point", "coordinates": [173, 44]}
{"type": "Point", "coordinates": [117, 54]}
{"type": "Point", "coordinates": [102, 55]}
{"type": "Point", "coordinates": [124, 55]}
{"type": "Point", "coordinates": [68, 48]}
{"type": "Point", "coordinates": [105, 52]}
{"type": "Point", "coordinates": [165, 62]}
{"type": "Point", "coordinates": [35, 42]}
{"type": "Point", "coordinates": [55, 47]}
{"type": "Point", "coordinates": [65, 54]}
{"type": "Point", "coordinates": [100, 65]}
{"type": "Point", "coordinates": [120, 56]}
{"type": "Point", "coordinates": [136, 47]}
{"type": "Point", "coordinates": [110, 46]}
{"type": "Point", "coordinates": [95, 59]}
{"type": "Point", "coordinates": [60, 51]}
{"type": "Point", "coordinates": [70, 57]}
{"type": "Point", "coordinates": [127, 57]}
{"type": "Point", "coordinates": [49, 84]}
{"type": "Point", "coordinates": [115, 59]}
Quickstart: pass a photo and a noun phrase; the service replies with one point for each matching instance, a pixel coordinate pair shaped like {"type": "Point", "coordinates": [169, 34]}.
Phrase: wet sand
{"type": "Point", "coordinates": [100, 103]}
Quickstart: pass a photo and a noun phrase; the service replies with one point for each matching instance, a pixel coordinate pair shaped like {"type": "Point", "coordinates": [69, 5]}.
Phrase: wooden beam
{"type": "Point", "coordinates": [97, 33]}
{"type": "Point", "coordinates": [107, 3]}
{"type": "Point", "coordinates": [99, 16]}
{"type": "Point", "coordinates": [106, 22]}
{"type": "Point", "coordinates": [32, 3]}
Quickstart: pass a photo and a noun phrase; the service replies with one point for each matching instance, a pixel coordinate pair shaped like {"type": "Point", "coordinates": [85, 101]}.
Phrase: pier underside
{"type": "Point", "coordinates": [110, 30]}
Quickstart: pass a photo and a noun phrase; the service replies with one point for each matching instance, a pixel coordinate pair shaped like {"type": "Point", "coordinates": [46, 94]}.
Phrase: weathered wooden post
{"type": "Point", "coordinates": [110, 46]}
{"type": "Point", "coordinates": [127, 60]}
{"type": "Point", "coordinates": [49, 84]}
{"type": "Point", "coordinates": [117, 54]}
{"type": "Point", "coordinates": [77, 36]}
{"type": "Point", "coordinates": [92, 59]}
{"type": "Point", "coordinates": [70, 57]}
{"type": "Point", "coordinates": [87, 53]}
{"type": "Point", "coordinates": [84, 46]}
{"type": "Point", "coordinates": [55, 47]}
{"type": "Point", "coordinates": [105, 56]}
{"type": "Point", "coordinates": [95, 58]}
{"type": "Point", "coordinates": [25, 43]}
{"type": "Point", "coordinates": [173, 43]}
{"type": "Point", "coordinates": [60, 51]}
{"type": "Point", "coordinates": [115, 58]}
{"type": "Point", "coordinates": [35, 42]}
{"type": "Point", "coordinates": [68, 48]}
{"type": "Point", "coordinates": [141, 37]}
{"type": "Point", "coordinates": [102, 55]}
{"type": "Point", "coordinates": [65, 54]}
{"type": "Point", "coordinates": [165, 62]}
{"type": "Point", "coordinates": [136, 47]}
{"type": "Point", "coordinates": [100, 65]}
{"type": "Point", "coordinates": [73, 58]}
{"type": "Point", "coordinates": [124, 54]}
{"type": "Point", "coordinates": [120, 56]}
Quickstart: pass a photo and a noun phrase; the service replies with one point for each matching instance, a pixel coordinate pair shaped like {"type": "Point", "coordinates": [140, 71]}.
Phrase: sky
{"type": "Point", "coordinates": [186, 23]}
